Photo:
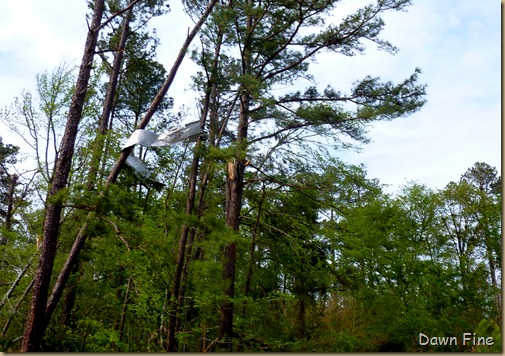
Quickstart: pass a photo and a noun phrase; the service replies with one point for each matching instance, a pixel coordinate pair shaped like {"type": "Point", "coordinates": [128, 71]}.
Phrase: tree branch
{"type": "Point", "coordinates": [112, 17]}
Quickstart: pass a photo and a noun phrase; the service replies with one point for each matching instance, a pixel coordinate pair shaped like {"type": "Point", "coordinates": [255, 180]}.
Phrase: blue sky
{"type": "Point", "coordinates": [456, 43]}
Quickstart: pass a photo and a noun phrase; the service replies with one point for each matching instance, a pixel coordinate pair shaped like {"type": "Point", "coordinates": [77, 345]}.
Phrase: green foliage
{"type": "Point", "coordinates": [488, 328]}
{"type": "Point", "coordinates": [8, 181]}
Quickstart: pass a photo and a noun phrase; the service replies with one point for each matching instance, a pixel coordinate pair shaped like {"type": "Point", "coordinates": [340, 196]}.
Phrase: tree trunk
{"type": "Point", "coordinates": [95, 163]}
{"type": "Point", "coordinates": [108, 102]}
{"type": "Point", "coordinates": [36, 323]}
{"type": "Point", "coordinates": [234, 189]}
{"type": "Point", "coordinates": [175, 296]}
{"type": "Point", "coordinates": [300, 328]}
{"type": "Point", "coordinates": [68, 305]}
{"type": "Point", "coordinates": [210, 109]}
{"type": "Point", "coordinates": [81, 237]}
{"type": "Point", "coordinates": [67, 269]}
{"type": "Point", "coordinates": [10, 202]}
{"type": "Point", "coordinates": [250, 269]}
{"type": "Point", "coordinates": [125, 306]}
{"type": "Point", "coordinates": [163, 90]}
{"type": "Point", "coordinates": [494, 283]}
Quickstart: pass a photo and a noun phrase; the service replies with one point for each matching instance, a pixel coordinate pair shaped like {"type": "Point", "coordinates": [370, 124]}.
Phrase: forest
{"type": "Point", "coordinates": [247, 233]}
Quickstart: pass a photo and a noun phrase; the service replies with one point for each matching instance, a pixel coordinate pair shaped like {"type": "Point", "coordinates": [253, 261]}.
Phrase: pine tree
{"type": "Point", "coordinates": [269, 47]}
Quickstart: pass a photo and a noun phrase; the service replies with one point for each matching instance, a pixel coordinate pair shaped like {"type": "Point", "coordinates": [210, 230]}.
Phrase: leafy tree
{"type": "Point", "coordinates": [36, 322]}
{"type": "Point", "coordinates": [45, 264]}
{"type": "Point", "coordinates": [8, 184]}
{"type": "Point", "coordinates": [273, 50]}
{"type": "Point", "coordinates": [39, 120]}
{"type": "Point", "coordinates": [473, 224]}
{"type": "Point", "coordinates": [16, 251]}
{"type": "Point", "coordinates": [488, 328]}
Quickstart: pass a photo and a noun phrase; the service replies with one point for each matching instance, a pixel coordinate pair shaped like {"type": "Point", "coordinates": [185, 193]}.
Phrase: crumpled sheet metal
{"type": "Point", "coordinates": [141, 170]}
{"type": "Point", "coordinates": [141, 137]}
{"type": "Point", "coordinates": [190, 130]}
{"type": "Point", "coordinates": [139, 166]}
{"type": "Point", "coordinates": [150, 139]}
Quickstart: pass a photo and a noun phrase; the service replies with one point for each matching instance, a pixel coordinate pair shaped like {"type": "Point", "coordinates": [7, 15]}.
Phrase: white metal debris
{"type": "Point", "coordinates": [139, 166]}
{"type": "Point", "coordinates": [150, 139]}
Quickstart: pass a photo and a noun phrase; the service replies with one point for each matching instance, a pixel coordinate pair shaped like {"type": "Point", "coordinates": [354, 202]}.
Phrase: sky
{"type": "Point", "coordinates": [455, 43]}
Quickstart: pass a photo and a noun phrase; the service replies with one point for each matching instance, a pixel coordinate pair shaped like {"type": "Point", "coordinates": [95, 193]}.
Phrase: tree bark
{"type": "Point", "coordinates": [109, 101]}
{"type": "Point", "coordinates": [125, 306]}
{"type": "Point", "coordinates": [184, 253]}
{"type": "Point", "coordinates": [95, 163]}
{"type": "Point", "coordinates": [234, 189]}
{"type": "Point", "coordinates": [36, 323]}
{"type": "Point", "coordinates": [81, 237]}
{"type": "Point", "coordinates": [174, 300]}
{"type": "Point", "coordinates": [250, 269]}
{"type": "Point", "coordinates": [67, 269]}
{"type": "Point", "coordinates": [68, 305]}
{"type": "Point", "coordinates": [494, 283]}
{"type": "Point", "coordinates": [10, 202]}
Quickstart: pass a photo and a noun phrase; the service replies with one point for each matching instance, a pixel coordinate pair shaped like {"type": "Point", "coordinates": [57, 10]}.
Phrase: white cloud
{"type": "Point", "coordinates": [456, 43]}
